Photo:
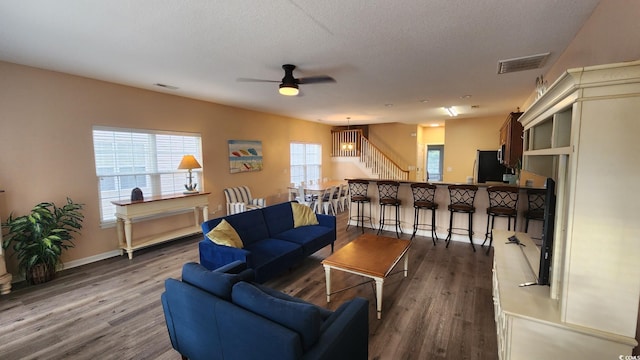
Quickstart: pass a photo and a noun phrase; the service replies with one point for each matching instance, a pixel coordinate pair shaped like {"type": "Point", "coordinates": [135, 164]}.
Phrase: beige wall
{"type": "Point", "coordinates": [398, 141]}
{"type": "Point", "coordinates": [427, 135]}
{"type": "Point", "coordinates": [615, 26]}
{"type": "Point", "coordinates": [46, 148]}
{"type": "Point", "coordinates": [348, 168]}
{"type": "Point", "coordinates": [463, 137]}
{"type": "Point", "coordinates": [610, 35]}
{"type": "Point", "coordinates": [432, 135]}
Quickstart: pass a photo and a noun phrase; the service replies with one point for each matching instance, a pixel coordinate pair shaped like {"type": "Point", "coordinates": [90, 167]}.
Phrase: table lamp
{"type": "Point", "coordinates": [189, 162]}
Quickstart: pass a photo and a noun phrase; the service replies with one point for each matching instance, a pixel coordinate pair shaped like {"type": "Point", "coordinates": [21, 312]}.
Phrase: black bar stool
{"type": "Point", "coordinates": [535, 206]}
{"type": "Point", "coordinates": [358, 195]}
{"type": "Point", "coordinates": [461, 198]}
{"type": "Point", "coordinates": [424, 199]}
{"type": "Point", "coordinates": [388, 195]}
{"type": "Point", "coordinates": [503, 202]}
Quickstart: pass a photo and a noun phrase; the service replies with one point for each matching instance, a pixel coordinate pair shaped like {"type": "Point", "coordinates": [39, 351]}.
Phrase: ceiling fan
{"type": "Point", "coordinates": [289, 84]}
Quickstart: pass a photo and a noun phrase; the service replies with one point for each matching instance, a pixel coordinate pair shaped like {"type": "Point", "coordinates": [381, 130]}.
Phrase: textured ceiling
{"type": "Point", "coordinates": [394, 61]}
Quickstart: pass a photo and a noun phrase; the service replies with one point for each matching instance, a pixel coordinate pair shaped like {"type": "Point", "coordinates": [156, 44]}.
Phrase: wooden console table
{"type": "Point", "coordinates": [126, 211]}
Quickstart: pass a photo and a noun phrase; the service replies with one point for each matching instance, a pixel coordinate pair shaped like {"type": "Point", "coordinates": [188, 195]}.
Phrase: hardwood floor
{"type": "Point", "coordinates": [111, 309]}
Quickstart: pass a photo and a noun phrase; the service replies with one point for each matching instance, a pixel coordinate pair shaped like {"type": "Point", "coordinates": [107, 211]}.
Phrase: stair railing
{"type": "Point", "coordinates": [379, 163]}
{"type": "Point", "coordinates": [353, 143]}
{"type": "Point", "coordinates": [346, 142]}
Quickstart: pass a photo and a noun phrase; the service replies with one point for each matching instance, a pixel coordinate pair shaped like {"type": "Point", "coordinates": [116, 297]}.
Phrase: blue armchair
{"type": "Point", "coordinates": [220, 315]}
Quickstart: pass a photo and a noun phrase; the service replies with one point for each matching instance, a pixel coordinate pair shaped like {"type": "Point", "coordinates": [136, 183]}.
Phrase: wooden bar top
{"type": "Point", "coordinates": [156, 198]}
{"type": "Point", "coordinates": [440, 183]}
{"type": "Point", "coordinates": [369, 254]}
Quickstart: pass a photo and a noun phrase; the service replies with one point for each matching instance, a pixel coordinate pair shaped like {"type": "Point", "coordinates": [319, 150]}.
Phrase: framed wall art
{"type": "Point", "coordinates": [245, 155]}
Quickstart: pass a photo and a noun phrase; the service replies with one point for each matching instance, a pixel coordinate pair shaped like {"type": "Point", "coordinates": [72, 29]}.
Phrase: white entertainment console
{"type": "Point", "coordinates": [583, 132]}
{"type": "Point", "coordinates": [528, 320]}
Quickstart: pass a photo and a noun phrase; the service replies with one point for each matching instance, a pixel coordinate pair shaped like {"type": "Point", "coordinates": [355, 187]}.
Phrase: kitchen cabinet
{"type": "Point", "coordinates": [511, 141]}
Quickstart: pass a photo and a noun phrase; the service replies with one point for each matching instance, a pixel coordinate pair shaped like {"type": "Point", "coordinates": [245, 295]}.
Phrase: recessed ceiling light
{"type": "Point", "coordinates": [475, 106]}
{"type": "Point", "coordinates": [388, 105]}
{"type": "Point", "coordinates": [424, 101]}
{"type": "Point", "coordinates": [465, 97]}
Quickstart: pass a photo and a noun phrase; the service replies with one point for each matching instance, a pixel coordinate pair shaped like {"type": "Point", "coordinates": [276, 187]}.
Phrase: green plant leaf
{"type": "Point", "coordinates": [41, 236]}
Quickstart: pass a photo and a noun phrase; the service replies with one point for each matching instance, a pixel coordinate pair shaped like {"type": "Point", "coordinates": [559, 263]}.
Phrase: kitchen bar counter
{"type": "Point", "coordinates": [442, 214]}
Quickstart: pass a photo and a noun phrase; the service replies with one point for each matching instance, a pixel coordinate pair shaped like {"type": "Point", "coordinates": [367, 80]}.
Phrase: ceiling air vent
{"type": "Point", "coordinates": [170, 87]}
{"type": "Point", "coordinates": [522, 63]}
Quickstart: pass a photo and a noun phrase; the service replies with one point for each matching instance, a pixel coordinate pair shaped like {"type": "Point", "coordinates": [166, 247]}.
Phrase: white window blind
{"type": "Point", "coordinates": [306, 162]}
{"type": "Point", "coordinates": [130, 158]}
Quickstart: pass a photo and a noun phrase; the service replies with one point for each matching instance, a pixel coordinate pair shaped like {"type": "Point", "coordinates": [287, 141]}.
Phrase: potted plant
{"type": "Point", "coordinates": [39, 238]}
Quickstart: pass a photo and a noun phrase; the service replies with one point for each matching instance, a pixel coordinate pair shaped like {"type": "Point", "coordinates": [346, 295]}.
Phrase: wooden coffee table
{"type": "Point", "coordinates": [370, 256]}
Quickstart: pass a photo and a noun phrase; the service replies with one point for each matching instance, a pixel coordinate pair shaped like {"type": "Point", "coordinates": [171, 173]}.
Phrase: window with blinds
{"type": "Point", "coordinates": [147, 159]}
{"type": "Point", "coordinates": [306, 162]}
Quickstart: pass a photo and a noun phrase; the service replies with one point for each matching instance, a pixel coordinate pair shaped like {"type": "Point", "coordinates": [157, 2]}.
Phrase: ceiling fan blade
{"type": "Point", "coordinates": [256, 80]}
{"type": "Point", "coordinates": [316, 79]}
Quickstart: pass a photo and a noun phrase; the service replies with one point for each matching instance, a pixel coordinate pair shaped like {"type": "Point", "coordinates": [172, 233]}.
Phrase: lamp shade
{"type": "Point", "coordinates": [189, 162]}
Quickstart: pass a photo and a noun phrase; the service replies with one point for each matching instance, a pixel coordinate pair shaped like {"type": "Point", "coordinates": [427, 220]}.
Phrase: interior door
{"type": "Point", "coordinates": [435, 159]}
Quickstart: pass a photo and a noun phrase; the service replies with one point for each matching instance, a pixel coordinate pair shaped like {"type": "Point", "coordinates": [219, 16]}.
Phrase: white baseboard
{"type": "Point", "coordinates": [75, 263]}
{"type": "Point", "coordinates": [92, 259]}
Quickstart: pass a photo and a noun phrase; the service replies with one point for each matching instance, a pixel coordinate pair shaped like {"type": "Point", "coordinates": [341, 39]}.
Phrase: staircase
{"type": "Point", "coordinates": [351, 143]}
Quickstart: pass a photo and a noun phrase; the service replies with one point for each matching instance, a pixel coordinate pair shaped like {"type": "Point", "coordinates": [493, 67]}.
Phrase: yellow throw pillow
{"type": "Point", "coordinates": [303, 215]}
{"type": "Point", "coordinates": [225, 234]}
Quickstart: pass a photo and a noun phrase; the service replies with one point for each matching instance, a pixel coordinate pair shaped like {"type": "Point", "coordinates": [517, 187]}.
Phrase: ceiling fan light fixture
{"type": "Point", "coordinates": [289, 89]}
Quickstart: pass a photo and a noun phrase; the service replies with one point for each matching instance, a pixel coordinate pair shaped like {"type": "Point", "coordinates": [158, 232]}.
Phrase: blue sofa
{"type": "Point", "coordinates": [271, 244]}
{"type": "Point", "coordinates": [219, 315]}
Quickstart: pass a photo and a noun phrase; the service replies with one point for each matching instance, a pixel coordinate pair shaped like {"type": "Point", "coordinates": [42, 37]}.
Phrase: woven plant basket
{"type": "Point", "coordinates": [40, 273]}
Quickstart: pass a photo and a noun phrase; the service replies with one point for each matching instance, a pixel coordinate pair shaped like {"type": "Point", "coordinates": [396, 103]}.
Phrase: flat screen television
{"type": "Point", "coordinates": [547, 233]}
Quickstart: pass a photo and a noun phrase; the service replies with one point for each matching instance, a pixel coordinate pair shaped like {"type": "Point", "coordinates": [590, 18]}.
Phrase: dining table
{"type": "Point", "coordinates": [317, 188]}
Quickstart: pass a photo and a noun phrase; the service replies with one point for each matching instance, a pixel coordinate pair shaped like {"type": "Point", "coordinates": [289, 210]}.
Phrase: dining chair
{"type": "Point", "coordinates": [302, 198]}
{"type": "Point", "coordinates": [343, 198]}
{"type": "Point", "coordinates": [328, 200]}
{"type": "Point", "coordinates": [335, 199]}
{"type": "Point", "coordinates": [293, 191]}
{"type": "Point", "coordinates": [318, 204]}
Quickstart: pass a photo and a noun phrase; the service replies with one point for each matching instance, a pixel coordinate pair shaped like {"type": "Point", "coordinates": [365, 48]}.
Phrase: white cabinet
{"type": "Point", "coordinates": [528, 320]}
{"type": "Point", "coordinates": [583, 132]}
